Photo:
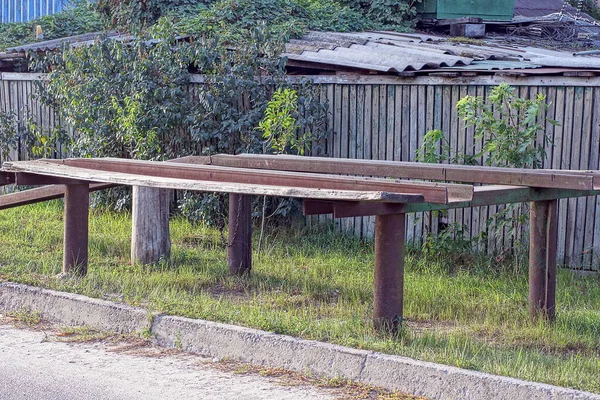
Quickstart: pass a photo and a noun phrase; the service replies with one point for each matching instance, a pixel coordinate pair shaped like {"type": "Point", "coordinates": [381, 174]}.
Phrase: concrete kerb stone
{"type": "Point", "coordinates": [263, 348]}
{"type": "Point", "coordinates": [259, 347]}
{"type": "Point", "coordinates": [73, 309]}
{"type": "Point", "coordinates": [437, 381]}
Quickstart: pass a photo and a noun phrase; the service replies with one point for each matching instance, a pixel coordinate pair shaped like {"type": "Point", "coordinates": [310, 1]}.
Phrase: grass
{"type": "Point", "coordinates": [317, 284]}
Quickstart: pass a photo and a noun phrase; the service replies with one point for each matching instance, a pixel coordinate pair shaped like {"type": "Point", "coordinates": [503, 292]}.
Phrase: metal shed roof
{"type": "Point", "coordinates": [387, 53]}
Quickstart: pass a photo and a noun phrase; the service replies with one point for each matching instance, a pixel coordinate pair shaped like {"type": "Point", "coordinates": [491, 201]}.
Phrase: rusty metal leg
{"type": "Point", "coordinates": [543, 232]}
{"type": "Point", "coordinates": [389, 271]}
{"type": "Point", "coordinates": [239, 250]}
{"type": "Point", "coordinates": [75, 254]}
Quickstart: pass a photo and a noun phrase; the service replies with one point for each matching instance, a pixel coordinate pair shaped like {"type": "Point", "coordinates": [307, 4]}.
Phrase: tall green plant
{"type": "Point", "coordinates": [508, 128]}
{"type": "Point", "coordinates": [280, 124]}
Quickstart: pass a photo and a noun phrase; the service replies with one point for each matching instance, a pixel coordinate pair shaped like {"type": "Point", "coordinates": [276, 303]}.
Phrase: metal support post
{"type": "Point", "coordinates": [239, 246]}
{"type": "Point", "coordinates": [389, 271]}
{"type": "Point", "coordinates": [543, 234]}
{"type": "Point", "coordinates": [75, 254]}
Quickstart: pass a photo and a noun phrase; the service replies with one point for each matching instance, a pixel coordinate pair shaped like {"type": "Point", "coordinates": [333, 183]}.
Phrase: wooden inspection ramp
{"type": "Point", "coordinates": [327, 187]}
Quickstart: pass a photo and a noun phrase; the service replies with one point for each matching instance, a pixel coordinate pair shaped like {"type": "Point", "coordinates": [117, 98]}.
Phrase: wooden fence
{"type": "Point", "coordinates": [386, 118]}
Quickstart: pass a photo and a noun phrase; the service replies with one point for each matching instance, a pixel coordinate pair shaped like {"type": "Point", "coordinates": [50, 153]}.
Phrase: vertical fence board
{"type": "Point", "coordinates": [388, 121]}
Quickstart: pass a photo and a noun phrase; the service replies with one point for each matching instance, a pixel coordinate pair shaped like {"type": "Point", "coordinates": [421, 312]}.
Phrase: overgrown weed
{"type": "Point", "coordinates": [314, 283]}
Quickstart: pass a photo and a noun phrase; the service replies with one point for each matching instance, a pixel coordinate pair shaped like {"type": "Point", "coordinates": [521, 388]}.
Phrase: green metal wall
{"type": "Point", "coordinates": [489, 10]}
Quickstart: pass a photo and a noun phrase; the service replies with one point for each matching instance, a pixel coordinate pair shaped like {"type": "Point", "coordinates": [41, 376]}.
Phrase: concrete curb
{"type": "Point", "coordinates": [74, 309]}
{"type": "Point", "coordinates": [263, 348]}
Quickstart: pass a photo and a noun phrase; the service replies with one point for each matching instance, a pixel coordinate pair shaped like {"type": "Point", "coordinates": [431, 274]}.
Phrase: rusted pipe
{"type": "Point", "coordinates": [239, 246]}
{"type": "Point", "coordinates": [75, 255]}
{"type": "Point", "coordinates": [543, 234]}
{"type": "Point", "coordinates": [389, 271]}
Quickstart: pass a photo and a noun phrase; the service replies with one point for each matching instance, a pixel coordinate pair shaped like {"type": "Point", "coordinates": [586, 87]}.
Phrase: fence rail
{"type": "Point", "coordinates": [387, 120]}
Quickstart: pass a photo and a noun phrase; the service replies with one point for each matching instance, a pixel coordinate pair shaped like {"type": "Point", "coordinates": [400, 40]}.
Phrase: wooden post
{"type": "Point", "coordinates": [75, 251]}
{"type": "Point", "coordinates": [543, 233]}
{"type": "Point", "coordinates": [239, 247]}
{"type": "Point", "coordinates": [389, 271]}
{"type": "Point", "coordinates": [150, 237]}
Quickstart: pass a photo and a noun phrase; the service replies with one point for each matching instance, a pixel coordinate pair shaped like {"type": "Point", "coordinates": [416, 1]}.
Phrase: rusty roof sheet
{"type": "Point", "coordinates": [389, 52]}
{"type": "Point", "coordinates": [55, 44]}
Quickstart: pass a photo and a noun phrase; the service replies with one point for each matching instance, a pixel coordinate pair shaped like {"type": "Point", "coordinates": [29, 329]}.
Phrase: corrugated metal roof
{"type": "Point", "coordinates": [397, 53]}
{"type": "Point", "coordinates": [387, 52]}
{"type": "Point", "coordinates": [55, 44]}
{"type": "Point", "coordinates": [392, 53]}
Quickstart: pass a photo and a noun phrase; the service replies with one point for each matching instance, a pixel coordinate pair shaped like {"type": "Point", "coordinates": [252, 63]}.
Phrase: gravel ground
{"type": "Point", "coordinates": [38, 364]}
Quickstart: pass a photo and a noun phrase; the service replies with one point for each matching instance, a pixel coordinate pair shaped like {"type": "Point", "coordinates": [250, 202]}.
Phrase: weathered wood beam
{"type": "Point", "coordinates": [433, 192]}
{"type": "Point", "coordinates": [580, 180]}
{"type": "Point", "coordinates": [389, 272]}
{"type": "Point", "coordinates": [75, 254]}
{"type": "Point", "coordinates": [40, 194]}
{"type": "Point", "coordinates": [483, 196]}
{"type": "Point", "coordinates": [27, 179]}
{"type": "Point", "coordinates": [239, 246]}
{"type": "Point", "coordinates": [59, 170]}
{"type": "Point", "coordinates": [543, 235]}
{"type": "Point", "coordinates": [317, 207]}
{"type": "Point", "coordinates": [500, 194]}
{"type": "Point", "coordinates": [6, 178]}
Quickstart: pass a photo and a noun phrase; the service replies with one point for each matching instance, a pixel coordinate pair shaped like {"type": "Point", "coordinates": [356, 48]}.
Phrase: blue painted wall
{"type": "Point", "coordinates": [26, 10]}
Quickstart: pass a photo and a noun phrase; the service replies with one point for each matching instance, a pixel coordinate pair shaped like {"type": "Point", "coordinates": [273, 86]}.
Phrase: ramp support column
{"type": "Point", "coordinates": [239, 246]}
{"type": "Point", "coordinates": [543, 235]}
{"type": "Point", "coordinates": [389, 271]}
{"type": "Point", "coordinates": [75, 254]}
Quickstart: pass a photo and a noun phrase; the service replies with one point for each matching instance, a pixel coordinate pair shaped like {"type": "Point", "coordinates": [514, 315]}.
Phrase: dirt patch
{"type": "Point", "coordinates": [424, 326]}
{"type": "Point", "coordinates": [342, 389]}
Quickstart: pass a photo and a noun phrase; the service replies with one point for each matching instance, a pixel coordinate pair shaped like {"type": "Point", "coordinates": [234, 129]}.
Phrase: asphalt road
{"type": "Point", "coordinates": [36, 366]}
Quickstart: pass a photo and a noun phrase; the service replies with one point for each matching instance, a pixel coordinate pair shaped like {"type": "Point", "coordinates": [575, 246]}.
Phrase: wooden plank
{"type": "Point", "coordinates": [400, 135]}
{"type": "Point", "coordinates": [407, 132]}
{"type": "Point", "coordinates": [578, 160]}
{"type": "Point", "coordinates": [570, 149]}
{"type": "Point", "coordinates": [484, 196]}
{"type": "Point", "coordinates": [90, 175]}
{"type": "Point", "coordinates": [375, 123]}
{"type": "Point", "coordinates": [399, 169]}
{"type": "Point", "coordinates": [502, 194]}
{"type": "Point", "coordinates": [26, 179]}
{"type": "Point", "coordinates": [390, 119]}
{"type": "Point", "coordinates": [409, 115]}
{"type": "Point", "coordinates": [458, 144]}
{"type": "Point", "coordinates": [383, 97]}
{"type": "Point", "coordinates": [416, 140]}
{"type": "Point", "coordinates": [360, 126]}
{"type": "Point", "coordinates": [429, 106]}
{"type": "Point", "coordinates": [344, 137]}
{"type": "Point", "coordinates": [595, 164]}
{"type": "Point", "coordinates": [38, 195]}
{"type": "Point", "coordinates": [353, 142]}
{"type": "Point", "coordinates": [435, 192]}
{"type": "Point", "coordinates": [6, 178]}
{"type": "Point", "coordinates": [368, 229]}
{"type": "Point", "coordinates": [557, 156]}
